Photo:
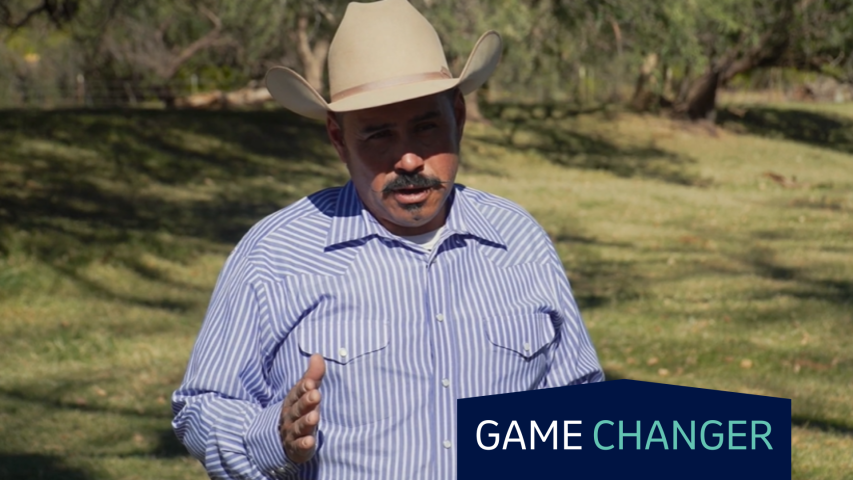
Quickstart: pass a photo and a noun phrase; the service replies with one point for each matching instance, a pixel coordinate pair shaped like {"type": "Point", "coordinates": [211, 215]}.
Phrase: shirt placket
{"type": "Point", "coordinates": [439, 300]}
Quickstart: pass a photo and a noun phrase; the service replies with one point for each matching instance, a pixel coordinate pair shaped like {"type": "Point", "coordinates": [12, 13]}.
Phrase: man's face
{"type": "Point", "coordinates": [403, 158]}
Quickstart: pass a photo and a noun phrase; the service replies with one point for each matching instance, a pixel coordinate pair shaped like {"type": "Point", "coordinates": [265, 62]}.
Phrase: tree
{"type": "Point", "coordinates": [14, 15]}
{"type": "Point", "coordinates": [737, 37]}
{"type": "Point", "coordinates": [668, 54]}
{"type": "Point", "coordinates": [706, 43]}
{"type": "Point", "coordinates": [161, 49]}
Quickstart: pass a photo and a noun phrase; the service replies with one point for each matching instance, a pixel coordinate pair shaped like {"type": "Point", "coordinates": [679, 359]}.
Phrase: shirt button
{"type": "Point", "coordinates": [440, 317]}
{"type": "Point", "coordinates": [447, 444]}
{"type": "Point", "coordinates": [445, 382]}
{"type": "Point", "coordinates": [342, 352]}
{"type": "Point", "coordinates": [526, 347]}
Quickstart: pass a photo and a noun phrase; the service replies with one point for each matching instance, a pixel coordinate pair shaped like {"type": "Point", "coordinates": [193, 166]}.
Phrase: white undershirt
{"type": "Point", "coordinates": [426, 240]}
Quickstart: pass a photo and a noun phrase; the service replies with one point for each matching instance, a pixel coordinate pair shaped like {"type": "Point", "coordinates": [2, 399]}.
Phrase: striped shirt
{"type": "Point", "coordinates": [404, 332]}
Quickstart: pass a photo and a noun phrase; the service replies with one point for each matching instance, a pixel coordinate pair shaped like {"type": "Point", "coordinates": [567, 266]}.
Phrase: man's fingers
{"type": "Point", "coordinates": [316, 369]}
{"type": "Point", "coordinates": [301, 449]}
{"type": "Point", "coordinates": [305, 425]}
{"type": "Point", "coordinates": [305, 404]}
{"type": "Point", "coordinates": [304, 444]}
{"type": "Point", "coordinates": [301, 412]}
{"type": "Point", "coordinates": [310, 380]}
{"type": "Point", "coordinates": [293, 395]}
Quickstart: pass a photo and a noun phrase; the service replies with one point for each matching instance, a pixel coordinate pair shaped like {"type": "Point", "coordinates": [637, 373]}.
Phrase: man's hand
{"type": "Point", "coordinates": [300, 413]}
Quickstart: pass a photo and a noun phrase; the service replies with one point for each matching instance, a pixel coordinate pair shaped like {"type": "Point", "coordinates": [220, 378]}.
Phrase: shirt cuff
{"type": "Point", "coordinates": [263, 444]}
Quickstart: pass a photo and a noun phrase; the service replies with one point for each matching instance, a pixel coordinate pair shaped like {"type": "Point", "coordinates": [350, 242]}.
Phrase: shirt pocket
{"type": "Point", "coordinates": [343, 342]}
{"type": "Point", "coordinates": [519, 356]}
{"type": "Point", "coordinates": [525, 334]}
{"type": "Point", "coordinates": [354, 352]}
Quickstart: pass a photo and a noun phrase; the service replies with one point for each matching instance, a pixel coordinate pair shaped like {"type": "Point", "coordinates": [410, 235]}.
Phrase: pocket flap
{"type": "Point", "coordinates": [342, 342]}
{"type": "Point", "coordinates": [523, 333]}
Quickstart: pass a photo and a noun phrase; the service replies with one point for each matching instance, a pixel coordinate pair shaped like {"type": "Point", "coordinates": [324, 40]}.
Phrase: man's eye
{"type": "Point", "coordinates": [426, 126]}
{"type": "Point", "coordinates": [378, 135]}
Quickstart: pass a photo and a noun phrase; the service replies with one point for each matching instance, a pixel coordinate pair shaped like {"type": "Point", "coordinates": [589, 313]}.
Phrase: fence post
{"type": "Point", "coordinates": [81, 90]}
{"type": "Point", "coordinates": [131, 97]}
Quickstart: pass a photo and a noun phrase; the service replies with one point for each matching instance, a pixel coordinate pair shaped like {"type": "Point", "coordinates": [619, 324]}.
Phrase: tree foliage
{"type": "Point", "coordinates": [671, 53]}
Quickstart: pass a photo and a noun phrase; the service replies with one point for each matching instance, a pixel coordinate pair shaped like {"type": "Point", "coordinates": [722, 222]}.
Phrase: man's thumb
{"type": "Point", "coordinates": [316, 368]}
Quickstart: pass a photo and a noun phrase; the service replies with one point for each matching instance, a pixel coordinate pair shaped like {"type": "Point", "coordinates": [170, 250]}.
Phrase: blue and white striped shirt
{"type": "Point", "coordinates": [404, 331]}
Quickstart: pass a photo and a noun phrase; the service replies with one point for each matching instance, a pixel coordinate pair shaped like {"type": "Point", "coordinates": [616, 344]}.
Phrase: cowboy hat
{"type": "Point", "coordinates": [383, 52]}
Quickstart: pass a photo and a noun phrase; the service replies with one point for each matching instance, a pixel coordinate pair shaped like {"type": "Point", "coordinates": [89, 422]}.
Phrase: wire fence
{"type": "Point", "coordinates": [78, 91]}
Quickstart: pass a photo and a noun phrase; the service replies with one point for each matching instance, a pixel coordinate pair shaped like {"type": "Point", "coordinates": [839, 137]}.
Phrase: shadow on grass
{"type": "Point", "coordinates": [610, 375]}
{"type": "Point", "coordinates": [168, 445]}
{"type": "Point", "coordinates": [135, 420]}
{"type": "Point", "coordinates": [818, 129]}
{"type": "Point", "coordinates": [110, 186]}
{"type": "Point", "coordinates": [98, 290]}
{"type": "Point", "coordinates": [80, 186]}
{"type": "Point", "coordinates": [829, 426]}
{"type": "Point", "coordinates": [544, 129]}
{"type": "Point", "coordinates": [50, 400]}
{"type": "Point", "coordinates": [802, 283]}
{"type": "Point", "coordinates": [33, 467]}
{"type": "Point", "coordinates": [596, 280]}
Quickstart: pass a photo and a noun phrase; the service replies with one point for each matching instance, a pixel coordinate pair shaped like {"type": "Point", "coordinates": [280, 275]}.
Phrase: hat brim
{"type": "Point", "coordinates": [294, 93]}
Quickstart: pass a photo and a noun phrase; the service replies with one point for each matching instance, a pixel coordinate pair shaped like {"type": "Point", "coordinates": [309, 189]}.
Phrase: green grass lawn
{"type": "Point", "coordinates": [712, 256]}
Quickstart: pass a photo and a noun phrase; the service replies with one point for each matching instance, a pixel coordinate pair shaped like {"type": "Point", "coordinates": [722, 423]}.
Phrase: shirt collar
{"type": "Point", "coordinates": [352, 222]}
{"type": "Point", "coordinates": [465, 218]}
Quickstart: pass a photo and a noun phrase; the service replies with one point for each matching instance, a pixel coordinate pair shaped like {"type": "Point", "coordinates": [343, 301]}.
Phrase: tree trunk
{"type": "Point", "coordinates": [313, 59]}
{"type": "Point", "coordinates": [472, 108]}
{"type": "Point", "coordinates": [701, 98]}
{"type": "Point", "coordinates": [644, 95]}
{"type": "Point", "coordinates": [472, 100]}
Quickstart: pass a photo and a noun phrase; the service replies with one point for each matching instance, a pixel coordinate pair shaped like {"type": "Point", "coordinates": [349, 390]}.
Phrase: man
{"type": "Point", "coordinates": [344, 327]}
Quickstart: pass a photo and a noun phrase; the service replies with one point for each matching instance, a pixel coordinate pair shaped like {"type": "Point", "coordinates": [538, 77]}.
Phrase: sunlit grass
{"type": "Point", "coordinates": [691, 265]}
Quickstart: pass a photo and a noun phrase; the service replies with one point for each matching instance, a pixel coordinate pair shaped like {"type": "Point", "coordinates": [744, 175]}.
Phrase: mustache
{"type": "Point", "coordinates": [411, 180]}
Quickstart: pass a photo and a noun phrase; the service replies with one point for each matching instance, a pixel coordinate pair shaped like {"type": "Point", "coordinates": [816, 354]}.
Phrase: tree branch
{"type": "Point", "coordinates": [58, 11]}
{"type": "Point", "coordinates": [325, 13]}
{"type": "Point", "coordinates": [7, 15]}
{"type": "Point", "coordinates": [617, 33]}
{"type": "Point", "coordinates": [303, 45]}
{"type": "Point", "coordinates": [210, 39]}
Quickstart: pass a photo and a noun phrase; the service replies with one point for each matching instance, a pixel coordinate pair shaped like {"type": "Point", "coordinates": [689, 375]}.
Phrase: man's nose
{"type": "Point", "coordinates": [409, 162]}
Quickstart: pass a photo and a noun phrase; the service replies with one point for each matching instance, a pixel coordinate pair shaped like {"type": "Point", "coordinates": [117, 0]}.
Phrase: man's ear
{"type": "Point", "coordinates": [336, 134]}
{"type": "Point", "coordinates": [460, 112]}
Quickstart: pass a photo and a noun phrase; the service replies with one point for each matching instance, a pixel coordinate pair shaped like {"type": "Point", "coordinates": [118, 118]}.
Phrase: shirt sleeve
{"type": "Point", "coordinates": [223, 409]}
{"type": "Point", "coordinates": [574, 359]}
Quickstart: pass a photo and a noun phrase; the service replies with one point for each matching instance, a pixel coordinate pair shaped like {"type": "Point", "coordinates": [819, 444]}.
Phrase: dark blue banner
{"type": "Point", "coordinates": [624, 429]}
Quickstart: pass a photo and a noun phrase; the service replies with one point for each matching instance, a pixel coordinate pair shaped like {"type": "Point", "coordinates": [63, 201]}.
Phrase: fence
{"type": "Point", "coordinates": [80, 92]}
{"type": "Point", "coordinates": [77, 91]}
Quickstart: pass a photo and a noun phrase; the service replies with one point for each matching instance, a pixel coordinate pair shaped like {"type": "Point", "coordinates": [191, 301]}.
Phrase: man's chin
{"type": "Point", "coordinates": [413, 207]}
{"type": "Point", "coordinates": [412, 215]}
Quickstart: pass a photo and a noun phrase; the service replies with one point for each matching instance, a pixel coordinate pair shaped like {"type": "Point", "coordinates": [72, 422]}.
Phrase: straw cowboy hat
{"type": "Point", "coordinates": [383, 52]}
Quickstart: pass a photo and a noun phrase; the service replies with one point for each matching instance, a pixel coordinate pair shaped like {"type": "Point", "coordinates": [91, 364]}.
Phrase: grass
{"type": "Point", "coordinates": [712, 256]}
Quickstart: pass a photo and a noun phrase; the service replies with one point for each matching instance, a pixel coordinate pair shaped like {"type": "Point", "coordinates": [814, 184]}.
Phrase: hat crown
{"type": "Point", "coordinates": [381, 41]}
